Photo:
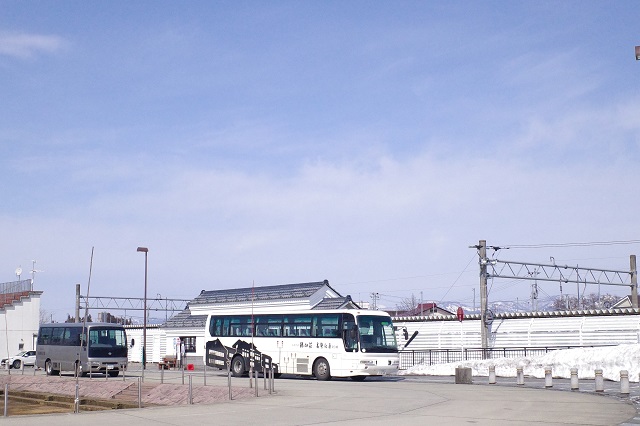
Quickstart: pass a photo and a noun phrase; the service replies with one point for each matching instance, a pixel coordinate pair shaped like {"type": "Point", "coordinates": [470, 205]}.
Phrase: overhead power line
{"type": "Point", "coordinates": [587, 244]}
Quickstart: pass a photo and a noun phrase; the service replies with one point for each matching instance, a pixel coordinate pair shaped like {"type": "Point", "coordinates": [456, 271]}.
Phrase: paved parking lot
{"type": "Point", "coordinates": [399, 400]}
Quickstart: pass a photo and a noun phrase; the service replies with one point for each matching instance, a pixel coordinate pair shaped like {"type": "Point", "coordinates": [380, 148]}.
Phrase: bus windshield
{"type": "Point", "coordinates": [107, 342]}
{"type": "Point", "coordinates": [376, 334]}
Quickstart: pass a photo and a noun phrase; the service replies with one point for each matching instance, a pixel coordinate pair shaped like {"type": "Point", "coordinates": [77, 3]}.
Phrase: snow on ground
{"type": "Point", "coordinates": [611, 360]}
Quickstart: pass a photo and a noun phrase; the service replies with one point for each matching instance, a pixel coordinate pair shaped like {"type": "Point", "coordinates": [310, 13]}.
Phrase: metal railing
{"type": "Point", "coordinates": [443, 356]}
{"type": "Point", "coordinates": [15, 287]}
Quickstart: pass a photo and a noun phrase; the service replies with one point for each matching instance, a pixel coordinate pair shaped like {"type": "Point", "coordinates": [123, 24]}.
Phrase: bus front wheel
{"type": "Point", "coordinates": [321, 369]}
{"type": "Point", "coordinates": [237, 366]}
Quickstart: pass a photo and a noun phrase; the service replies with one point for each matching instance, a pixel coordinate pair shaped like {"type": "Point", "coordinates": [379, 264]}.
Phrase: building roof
{"type": "Point", "coordinates": [422, 309]}
{"type": "Point", "coordinates": [336, 303]}
{"type": "Point", "coordinates": [247, 294]}
{"type": "Point", "coordinates": [184, 319]}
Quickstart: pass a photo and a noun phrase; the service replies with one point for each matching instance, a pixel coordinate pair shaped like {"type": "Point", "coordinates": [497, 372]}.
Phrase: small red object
{"type": "Point", "coordinates": [460, 313]}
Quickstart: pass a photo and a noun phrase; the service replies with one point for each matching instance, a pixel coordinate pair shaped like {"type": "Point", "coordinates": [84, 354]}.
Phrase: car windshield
{"type": "Point", "coordinates": [107, 342]}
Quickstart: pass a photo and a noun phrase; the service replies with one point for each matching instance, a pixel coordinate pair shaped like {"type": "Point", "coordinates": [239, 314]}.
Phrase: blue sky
{"type": "Point", "coordinates": [367, 143]}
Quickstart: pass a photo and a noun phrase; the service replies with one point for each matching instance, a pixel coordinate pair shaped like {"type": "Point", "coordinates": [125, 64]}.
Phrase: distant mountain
{"type": "Point", "coordinates": [499, 306]}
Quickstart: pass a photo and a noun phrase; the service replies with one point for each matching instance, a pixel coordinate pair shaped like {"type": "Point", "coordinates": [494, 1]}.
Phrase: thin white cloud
{"type": "Point", "coordinates": [26, 46]}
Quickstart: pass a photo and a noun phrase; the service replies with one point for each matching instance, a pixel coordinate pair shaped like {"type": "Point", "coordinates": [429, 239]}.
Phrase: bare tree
{"type": "Point", "coordinates": [45, 317]}
{"type": "Point", "coordinates": [590, 301]}
{"type": "Point", "coordinates": [408, 304]}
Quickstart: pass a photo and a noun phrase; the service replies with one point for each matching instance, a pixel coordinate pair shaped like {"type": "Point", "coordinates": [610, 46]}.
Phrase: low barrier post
{"type": "Point", "coordinates": [599, 380]}
{"type": "Point", "coordinates": [76, 401]}
{"type": "Point", "coordinates": [139, 392]}
{"type": "Point", "coordinates": [264, 376]}
{"type": "Point", "coordinates": [190, 398]}
{"type": "Point", "coordinates": [624, 382]}
{"type": "Point", "coordinates": [6, 399]}
{"type": "Point", "coordinates": [548, 378]}
{"type": "Point", "coordinates": [229, 379]}
{"type": "Point", "coordinates": [492, 374]}
{"type": "Point", "coordinates": [250, 377]}
{"type": "Point", "coordinates": [256, 379]}
{"type": "Point", "coordinates": [574, 379]}
{"type": "Point", "coordinates": [519, 376]}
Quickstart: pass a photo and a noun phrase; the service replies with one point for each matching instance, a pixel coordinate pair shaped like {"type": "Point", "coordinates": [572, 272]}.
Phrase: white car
{"type": "Point", "coordinates": [24, 357]}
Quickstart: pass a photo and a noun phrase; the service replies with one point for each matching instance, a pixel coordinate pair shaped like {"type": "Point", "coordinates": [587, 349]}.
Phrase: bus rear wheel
{"type": "Point", "coordinates": [237, 366]}
{"type": "Point", "coordinates": [321, 369]}
{"type": "Point", "coordinates": [48, 368]}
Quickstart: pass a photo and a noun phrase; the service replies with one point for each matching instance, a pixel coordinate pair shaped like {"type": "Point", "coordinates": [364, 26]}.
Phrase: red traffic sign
{"type": "Point", "coordinates": [460, 313]}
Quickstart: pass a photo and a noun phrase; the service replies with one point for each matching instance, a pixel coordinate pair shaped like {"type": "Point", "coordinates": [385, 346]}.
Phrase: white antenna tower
{"type": "Point", "coordinates": [33, 272]}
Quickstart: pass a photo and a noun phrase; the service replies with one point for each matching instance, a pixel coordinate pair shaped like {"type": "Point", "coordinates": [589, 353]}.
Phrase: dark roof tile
{"type": "Point", "coordinates": [285, 291]}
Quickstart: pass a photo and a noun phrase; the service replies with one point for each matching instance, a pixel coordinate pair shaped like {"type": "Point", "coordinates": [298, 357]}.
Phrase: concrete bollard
{"type": "Point", "coordinates": [519, 376]}
{"type": "Point", "coordinates": [624, 382]}
{"type": "Point", "coordinates": [574, 379]}
{"type": "Point", "coordinates": [463, 375]}
{"type": "Point", "coordinates": [548, 378]}
{"type": "Point", "coordinates": [599, 380]}
{"type": "Point", "coordinates": [492, 374]}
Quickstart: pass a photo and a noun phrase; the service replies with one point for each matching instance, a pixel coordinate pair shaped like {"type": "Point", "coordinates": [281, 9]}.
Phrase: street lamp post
{"type": "Point", "coordinates": [144, 325]}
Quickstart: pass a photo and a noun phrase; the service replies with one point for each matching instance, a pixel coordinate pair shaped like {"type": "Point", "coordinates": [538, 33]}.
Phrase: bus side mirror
{"type": "Point", "coordinates": [405, 333]}
{"type": "Point", "coordinates": [133, 342]}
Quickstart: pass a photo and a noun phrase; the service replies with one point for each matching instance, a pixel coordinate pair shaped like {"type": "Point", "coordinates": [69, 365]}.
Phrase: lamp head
{"type": "Point", "coordinates": [143, 249]}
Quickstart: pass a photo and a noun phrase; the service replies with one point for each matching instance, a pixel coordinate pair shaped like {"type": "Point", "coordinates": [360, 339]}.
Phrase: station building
{"type": "Point", "coordinates": [184, 334]}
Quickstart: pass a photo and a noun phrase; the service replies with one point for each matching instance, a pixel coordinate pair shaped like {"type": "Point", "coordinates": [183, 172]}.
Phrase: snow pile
{"type": "Point", "coordinates": [610, 360]}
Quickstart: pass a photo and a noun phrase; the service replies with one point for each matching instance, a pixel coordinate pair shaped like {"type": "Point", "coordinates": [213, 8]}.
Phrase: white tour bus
{"type": "Point", "coordinates": [324, 343]}
{"type": "Point", "coordinates": [63, 347]}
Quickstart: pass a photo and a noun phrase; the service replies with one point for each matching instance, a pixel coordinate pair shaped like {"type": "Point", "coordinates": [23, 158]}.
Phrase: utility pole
{"type": "Point", "coordinates": [374, 297]}
{"type": "Point", "coordinates": [634, 277]}
{"type": "Point", "coordinates": [77, 303]}
{"type": "Point", "coordinates": [474, 299]}
{"type": "Point", "coordinates": [482, 253]}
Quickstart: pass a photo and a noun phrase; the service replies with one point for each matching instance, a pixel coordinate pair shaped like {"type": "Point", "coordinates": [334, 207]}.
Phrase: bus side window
{"type": "Point", "coordinates": [45, 336]}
